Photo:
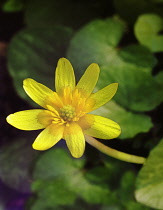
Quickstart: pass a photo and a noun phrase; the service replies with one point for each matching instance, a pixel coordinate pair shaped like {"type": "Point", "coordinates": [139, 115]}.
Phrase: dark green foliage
{"type": "Point", "coordinates": [34, 53]}
{"type": "Point", "coordinates": [125, 39]}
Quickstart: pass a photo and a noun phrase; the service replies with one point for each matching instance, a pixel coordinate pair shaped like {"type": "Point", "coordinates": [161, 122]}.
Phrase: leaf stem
{"type": "Point", "coordinates": [114, 153]}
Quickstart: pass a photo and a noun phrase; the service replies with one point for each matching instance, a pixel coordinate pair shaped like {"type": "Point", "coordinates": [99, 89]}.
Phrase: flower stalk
{"type": "Point", "coordinates": [114, 153]}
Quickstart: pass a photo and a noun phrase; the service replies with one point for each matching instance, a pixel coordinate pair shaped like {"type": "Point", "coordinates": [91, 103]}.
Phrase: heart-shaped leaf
{"type": "Point", "coordinates": [131, 67]}
{"type": "Point", "coordinates": [149, 186]}
{"type": "Point", "coordinates": [147, 29]}
{"type": "Point", "coordinates": [34, 53]}
{"type": "Point", "coordinates": [60, 176]}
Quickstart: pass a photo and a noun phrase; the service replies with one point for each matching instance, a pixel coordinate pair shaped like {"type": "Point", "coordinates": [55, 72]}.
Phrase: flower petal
{"type": "Point", "coordinates": [99, 127]}
{"type": "Point", "coordinates": [48, 137]}
{"type": "Point", "coordinates": [75, 140]}
{"type": "Point", "coordinates": [89, 79]}
{"type": "Point", "coordinates": [64, 75]}
{"type": "Point", "coordinates": [37, 92]}
{"type": "Point", "coordinates": [30, 119]}
{"type": "Point", "coordinates": [102, 96]}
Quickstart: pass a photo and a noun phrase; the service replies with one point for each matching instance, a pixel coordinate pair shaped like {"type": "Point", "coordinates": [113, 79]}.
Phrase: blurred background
{"type": "Point", "coordinates": [125, 38]}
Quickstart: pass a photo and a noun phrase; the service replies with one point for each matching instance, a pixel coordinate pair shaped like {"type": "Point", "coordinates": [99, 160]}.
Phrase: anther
{"type": "Point", "coordinates": [67, 113]}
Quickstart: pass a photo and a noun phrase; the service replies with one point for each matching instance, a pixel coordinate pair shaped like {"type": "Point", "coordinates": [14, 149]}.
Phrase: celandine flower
{"type": "Point", "coordinates": [66, 111]}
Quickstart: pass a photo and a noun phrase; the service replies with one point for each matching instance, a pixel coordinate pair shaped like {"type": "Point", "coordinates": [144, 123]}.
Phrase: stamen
{"type": "Point", "coordinates": [53, 111]}
{"type": "Point", "coordinates": [71, 106]}
{"type": "Point", "coordinates": [67, 113]}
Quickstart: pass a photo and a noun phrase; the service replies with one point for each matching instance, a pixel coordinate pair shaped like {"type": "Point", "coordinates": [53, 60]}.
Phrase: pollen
{"type": "Point", "coordinates": [67, 113]}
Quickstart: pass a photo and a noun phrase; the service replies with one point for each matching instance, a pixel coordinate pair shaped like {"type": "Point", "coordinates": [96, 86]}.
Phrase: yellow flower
{"type": "Point", "coordinates": [66, 110]}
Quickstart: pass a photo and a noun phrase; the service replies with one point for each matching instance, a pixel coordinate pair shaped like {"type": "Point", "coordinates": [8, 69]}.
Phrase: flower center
{"type": "Point", "coordinates": [67, 113]}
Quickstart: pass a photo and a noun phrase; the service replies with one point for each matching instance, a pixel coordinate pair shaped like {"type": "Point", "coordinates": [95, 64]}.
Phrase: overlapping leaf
{"type": "Point", "coordinates": [61, 181]}
{"type": "Point", "coordinates": [147, 31]}
{"type": "Point", "coordinates": [34, 53]}
{"type": "Point", "coordinates": [13, 5]}
{"type": "Point", "coordinates": [131, 67]}
{"type": "Point", "coordinates": [149, 187]}
{"type": "Point", "coordinates": [129, 121]}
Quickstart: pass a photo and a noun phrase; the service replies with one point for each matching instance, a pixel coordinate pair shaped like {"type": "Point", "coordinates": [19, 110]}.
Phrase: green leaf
{"type": "Point", "coordinates": [137, 87]}
{"type": "Point", "coordinates": [136, 55]}
{"type": "Point", "coordinates": [126, 192]}
{"type": "Point", "coordinates": [53, 173]}
{"type": "Point", "coordinates": [111, 207]}
{"type": "Point", "coordinates": [159, 79]}
{"type": "Point", "coordinates": [56, 163]}
{"type": "Point", "coordinates": [54, 192]}
{"type": "Point", "coordinates": [13, 5]}
{"type": "Point", "coordinates": [127, 185]}
{"type": "Point", "coordinates": [98, 41]}
{"type": "Point", "coordinates": [149, 186]}
{"type": "Point", "coordinates": [34, 53]}
{"type": "Point", "coordinates": [91, 193]}
{"type": "Point", "coordinates": [59, 180]}
{"type": "Point", "coordinates": [130, 66]}
{"type": "Point", "coordinates": [128, 121]}
{"type": "Point", "coordinates": [147, 28]}
{"type": "Point", "coordinates": [133, 205]}
{"type": "Point", "coordinates": [42, 205]}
